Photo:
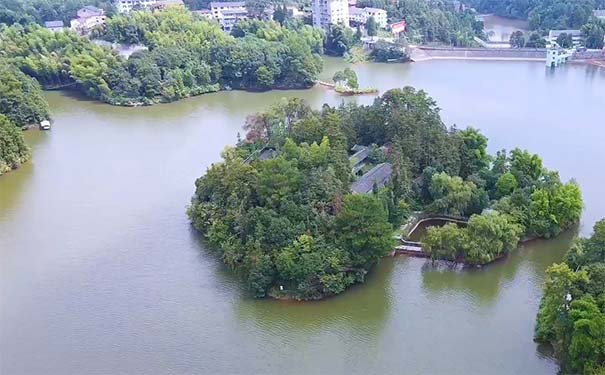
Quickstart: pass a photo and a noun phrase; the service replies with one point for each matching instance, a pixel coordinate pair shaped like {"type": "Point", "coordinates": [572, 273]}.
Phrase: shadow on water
{"type": "Point", "coordinates": [371, 301]}
{"type": "Point", "coordinates": [210, 257]}
{"type": "Point", "coordinates": [484, 284]}
{"type": "Point", "coordinates": [14, 182]}
{"type": "Point", "coordinates": [362, 309]}
{"type": "Point", "coordinates": [11, 188]}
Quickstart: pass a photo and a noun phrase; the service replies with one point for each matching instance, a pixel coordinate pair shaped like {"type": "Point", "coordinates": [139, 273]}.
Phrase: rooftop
{"type": "Point", "coordinates": [361, 153]}
{"type": "Point", "coordinates": [379, 175]}
{"type": "Point", "coordinates": [227, 4]}
{"type": "Point", "coordinates": [356, 10]}
{"type": "Point", "coordinates": [51, 24]}
{"type": "Point", "coordinates": [599, 13]}
{"type": "Point", "coordinates": [92, 8]}
{"type": "Point", "coordinates": [555, 33]}
{"type": "Point", "coordinates": [370, 9]}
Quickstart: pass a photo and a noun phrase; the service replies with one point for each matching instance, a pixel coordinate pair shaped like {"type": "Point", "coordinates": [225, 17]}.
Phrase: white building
{"type": "Point", "coordinates": [557, 56]}
{"type": "Point", "coordinates": [204, 13]}
{"type": "Point", "coordinates": [360, 16]}
{"type": "Point", "coordinates": [126, 6]}
{"type": "Point", "coordinates": [229, 13]}
{"type": "Point", "coordinates": [599, 13]}
{"type": "Point", "coordinates": [165, 4]}
{"type": "Point", "coordinates": [330, 12]}
{"type": "Point", "coordinates": [90, 11]}
{"type": "Point", "coordinates": [293, 11]}
{"type": "Point", "coordinates": [84, 25]}
{"type": "Point", "coordinates": [89, 17]}
{"type": "Point", "coordinates": [576, 36]}
{"type": "Point", "coordinates": [54, 26]}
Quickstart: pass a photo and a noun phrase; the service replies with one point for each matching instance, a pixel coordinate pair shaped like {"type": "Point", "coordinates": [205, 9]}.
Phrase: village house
{"type": "Point", "coordinates": [89, 17]}
{"type": "Point", "coordinates": [54, 26]}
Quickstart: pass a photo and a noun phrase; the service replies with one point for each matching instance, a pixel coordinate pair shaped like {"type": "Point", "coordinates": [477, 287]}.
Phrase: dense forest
{"type": "Point", "coordinates": [572, 311]}
{"type": "Point", "coordinates": [21, 97]}
{"type": "Point", "coordinates": [432, 21]}
{"type": "Point", "coordinates": [40, 11]}
{"type": "Point", "coordinates": [280, 212]}
{"type": "Point", "coordinates": [21, 105]}
{"type": "Point", "coordinates": [187, 56]}
{"type": "Point", "coordinates": [13, 150]}
{"type": "Point", "coordinates": [526, 201]}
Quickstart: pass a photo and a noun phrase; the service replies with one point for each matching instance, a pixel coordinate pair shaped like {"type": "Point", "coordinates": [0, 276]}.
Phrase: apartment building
{"type": "Point", "coordinates": [330, 12]}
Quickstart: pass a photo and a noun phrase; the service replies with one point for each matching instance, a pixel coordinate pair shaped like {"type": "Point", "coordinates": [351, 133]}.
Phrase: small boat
{"type": "Point", "coordinates": [45, 125]}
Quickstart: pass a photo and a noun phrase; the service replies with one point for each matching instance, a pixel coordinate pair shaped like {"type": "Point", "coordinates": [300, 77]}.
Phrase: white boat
{"type": "Point", "coordinates": [45, 125]}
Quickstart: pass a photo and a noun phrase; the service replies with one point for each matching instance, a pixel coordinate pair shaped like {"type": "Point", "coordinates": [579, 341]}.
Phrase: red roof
{"type": "Point", "coordinates": [398, 27]}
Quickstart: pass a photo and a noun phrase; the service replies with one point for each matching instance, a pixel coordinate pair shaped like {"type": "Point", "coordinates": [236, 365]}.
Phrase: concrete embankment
{"type": "Point", "coordinates": [452, 53]}
{"type": "Point", "coordinates": [423, 53]}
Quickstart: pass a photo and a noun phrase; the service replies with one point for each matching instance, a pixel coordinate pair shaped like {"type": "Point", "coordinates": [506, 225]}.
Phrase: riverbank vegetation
{"type": "Point", "coordinates": [279, 210]}
{"type": "Point", "coordinates": [545, 15]}
{"type": "Point", "coordinates": [572, 311]}
{"type": "Point", "coordinates": [346, 83]}
{"type": "Point", "coordinates": [526, 200]}
{"type": "Point", "coordinates": [21, 99]}
{"type": "Point", "coordinates": [13, 150]}
{"type": "Point", "coordinates": [436, 21]}
{"type": "Point", "coordinates": [187, 56]}
{"type": "Point", "coordinates": [39, 11]}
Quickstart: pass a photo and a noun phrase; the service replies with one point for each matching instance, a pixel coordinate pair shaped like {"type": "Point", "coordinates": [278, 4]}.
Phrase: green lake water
{"type": "Point", "coordinates": [100, 272]}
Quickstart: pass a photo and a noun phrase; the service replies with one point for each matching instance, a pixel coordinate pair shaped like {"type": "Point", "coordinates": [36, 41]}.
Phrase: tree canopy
{"type": "Point", "coordinates": [13, 150]}
{"type": "Point", "coordinates": [40, 11]}
{"type": "Point", "coordinates": [436, 21]}
{"type": "Point", "coordinates": [186, 56]}
{"type": "Point", "coordinates": [542, 14]}
{"type": "Point", "coordinates": [572, 311]}
{"type": "Point", "coordinates": [280, 211]}
{"type": "Point", "coordinates": [21, 97]}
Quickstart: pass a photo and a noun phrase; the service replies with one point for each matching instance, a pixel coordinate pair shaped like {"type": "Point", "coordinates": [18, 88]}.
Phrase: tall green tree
{"type": "Point", "coordinates": [517, 39]}
{"type": "Point", "coordinates": [372, 26]}
{"type": "Point", "coordinates": [21, 97]}
{"type": "Point", "coordinates": [13, 150]}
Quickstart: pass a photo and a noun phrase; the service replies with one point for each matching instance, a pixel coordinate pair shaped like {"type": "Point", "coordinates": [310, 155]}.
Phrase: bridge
{"type": "Point", "coordinates": [410, 248]}
{"type": "Point", "coordinates": [414, 248]}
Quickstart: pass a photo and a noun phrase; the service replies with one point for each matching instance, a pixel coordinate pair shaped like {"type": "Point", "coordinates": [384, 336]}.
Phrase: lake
{"type": "Point", "coordinates": [100, 272]}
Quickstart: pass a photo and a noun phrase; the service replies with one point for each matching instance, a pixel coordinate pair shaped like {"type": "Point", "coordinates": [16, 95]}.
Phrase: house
{"type": "Point", "coordinates": [89, 17]}
{"type": "Point", "coordinates": [164, 4]}
{"type": "Point", "coordinates": [126, 6]}
{"type": "Point", "coordinates": [90, 11]}
{"type": "Point", "coordinates": [357, 160]}
{"type": "Point", "coordinates": [576, 36]}
{"type": "Point", "coordinates": [229, 13]}
{"type": "Point", "coordinates": [83, 25]}
{"type": "Point", "coordinates": [599, 13]}
{"type": "Point", "coordinates": [54, 26]}
{"type": "Point", "coordinates": [398, 28]}
{"type": "Point", "coordinates": [204, 13]}
{"type": "Point", "coordinates": [263, 154]}
{"type": "Point", "coordinates": [330, 12]}
{"type": "Point", "coordinates": [295, 12]}
{"type": "Point", "coordinates": [360, 16]}
{"type": "Point", "coordinates": [378, 176]}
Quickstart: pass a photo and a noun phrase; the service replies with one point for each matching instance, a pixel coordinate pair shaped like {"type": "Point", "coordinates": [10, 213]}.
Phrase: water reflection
{"type": "Point", "coordinates": [361, 311]}
{"type": "Point", "coordinates": [484, 284]}
{"type": "Point", "coordinates": [15, 182]}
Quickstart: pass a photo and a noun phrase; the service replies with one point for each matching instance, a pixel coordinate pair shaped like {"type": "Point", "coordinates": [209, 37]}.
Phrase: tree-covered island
{"type": "Point", "coordinates": [307, 203]}
{"type": "Point", "coordinates": [186, 55]}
